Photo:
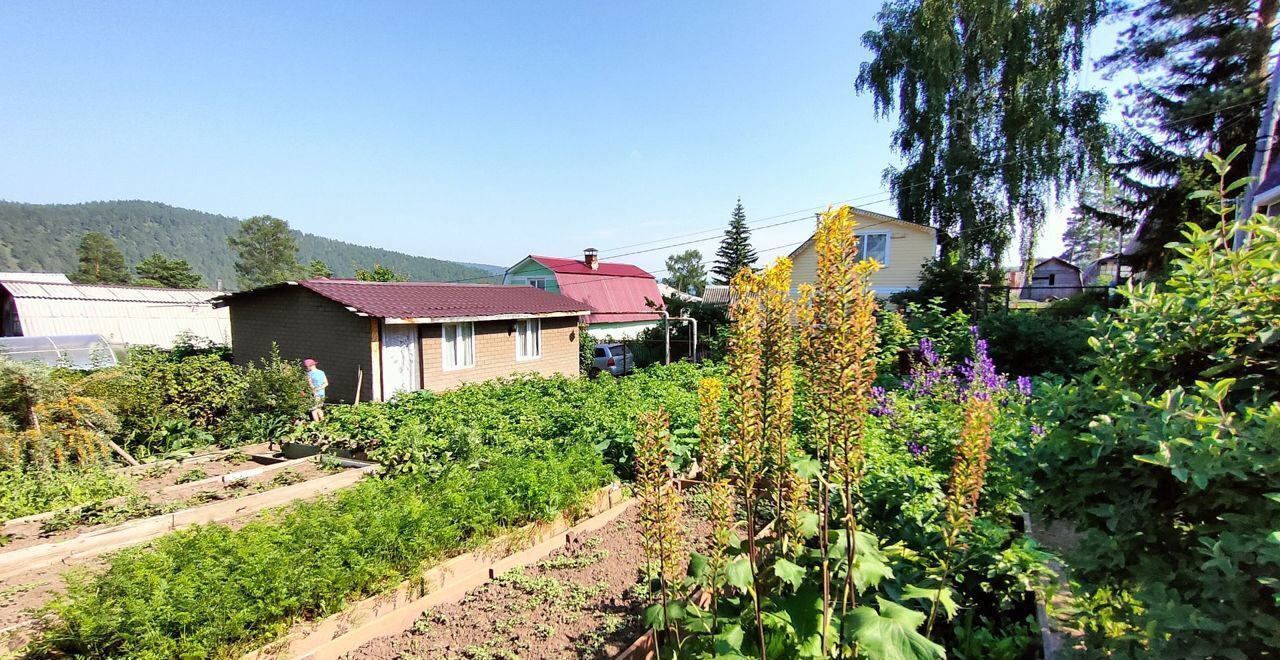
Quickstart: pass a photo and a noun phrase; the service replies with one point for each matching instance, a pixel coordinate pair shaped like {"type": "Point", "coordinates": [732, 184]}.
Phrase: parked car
{"type": "Point", "coordinates": [615, 359]}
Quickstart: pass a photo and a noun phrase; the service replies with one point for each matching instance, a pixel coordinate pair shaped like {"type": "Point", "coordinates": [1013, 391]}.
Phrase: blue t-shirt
{"type": "Point", "coordinates": [317, 379]}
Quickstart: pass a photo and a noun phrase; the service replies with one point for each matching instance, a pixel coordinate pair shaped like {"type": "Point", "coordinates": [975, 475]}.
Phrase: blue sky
{"type": "Point", "coordinates": [474, 131]}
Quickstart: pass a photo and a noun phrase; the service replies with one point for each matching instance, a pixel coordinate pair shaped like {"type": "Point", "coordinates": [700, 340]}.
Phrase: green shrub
{"type": "Point", "coordinates": [1034, 343]}
{"type": "Point", "coordinates": [1165, 456]}
{"type": "Point", "coordinates": [216, 592]}
{"type": "Point", "coordinates": [957, 286]}
{"type": "Point", "coordinates": [273, 394]}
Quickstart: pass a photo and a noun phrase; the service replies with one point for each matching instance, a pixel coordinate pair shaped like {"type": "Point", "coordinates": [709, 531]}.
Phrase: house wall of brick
{"type": "Point", "coordinates": [495, 353]}
{"type": "Point", "coordinates": [305, 325]}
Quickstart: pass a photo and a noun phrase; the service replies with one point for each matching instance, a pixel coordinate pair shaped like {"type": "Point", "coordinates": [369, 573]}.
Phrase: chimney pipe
{"type": "Point", "coordinates": [591, 257]}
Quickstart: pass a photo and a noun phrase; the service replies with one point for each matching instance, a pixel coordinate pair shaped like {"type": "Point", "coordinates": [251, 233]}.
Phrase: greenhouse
{"type": "Point", "coordinates": [70, 351]}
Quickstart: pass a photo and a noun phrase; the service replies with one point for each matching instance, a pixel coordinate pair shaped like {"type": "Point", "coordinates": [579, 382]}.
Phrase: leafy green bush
{"type": "Point", "coordinates": [216, 592]}
{"type": "Point", "coordinates": [273, 394]}
{"type": "Point", "coordinates": [1165, 455]}
{"type": "Point", "coordinates": [957, 286]}
{"type": "Point", "coordinates": [1034, 343]}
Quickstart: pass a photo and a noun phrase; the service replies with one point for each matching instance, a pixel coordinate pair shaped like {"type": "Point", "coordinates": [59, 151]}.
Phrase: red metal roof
{"type": "Point", "coordinates": [612, 299]}
{"type": "Point", "coordinates": [416, 300]}
{"type": "Point", "coordinates": [559, 266]}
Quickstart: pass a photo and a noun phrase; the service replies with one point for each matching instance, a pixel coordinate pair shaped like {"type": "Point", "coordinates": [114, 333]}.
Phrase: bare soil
{"type": "Point", "coordinates": [582, 601]}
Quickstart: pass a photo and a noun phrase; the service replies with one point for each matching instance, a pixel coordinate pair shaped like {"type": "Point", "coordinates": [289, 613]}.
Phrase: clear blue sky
{"type": "Point", "coordinates": [473, 131]}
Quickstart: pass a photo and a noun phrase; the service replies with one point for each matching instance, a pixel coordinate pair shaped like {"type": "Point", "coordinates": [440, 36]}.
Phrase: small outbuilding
{"type": "Point", "coordinates": [1052, 279]}
{"type": "Point", "coordinates": [382, 338]}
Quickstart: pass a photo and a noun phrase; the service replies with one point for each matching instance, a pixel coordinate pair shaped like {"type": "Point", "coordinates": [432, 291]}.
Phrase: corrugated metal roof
{"type": "Point", "coordinates": [716, 294]}
{"type": "Point", "coordinates": [613, 299]}
{"type": "Point", "coordinates": [561, 265]}
{"type": "Point", "coordinates": [122, 314]}
{"type": "Point", "coordinates": [53, 278]}
{"type": "Point", "coordinates": [436, 300]}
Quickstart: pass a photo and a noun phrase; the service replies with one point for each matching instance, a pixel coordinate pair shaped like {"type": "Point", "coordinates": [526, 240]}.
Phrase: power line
{"type": "Point", "coordinates": [884, 198]}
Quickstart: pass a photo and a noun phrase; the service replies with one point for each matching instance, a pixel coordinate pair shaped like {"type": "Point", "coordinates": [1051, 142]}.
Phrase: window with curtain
{"type": "Point", "coordinates": [528, 339]}
{"type": "Point", "coordinates": [874, 246]}
{"type": "Point", "coordinates": [458, 342]}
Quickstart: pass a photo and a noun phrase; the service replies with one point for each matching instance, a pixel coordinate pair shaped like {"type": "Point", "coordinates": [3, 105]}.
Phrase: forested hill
{"type": "Point", "coordinates": [43, 237]}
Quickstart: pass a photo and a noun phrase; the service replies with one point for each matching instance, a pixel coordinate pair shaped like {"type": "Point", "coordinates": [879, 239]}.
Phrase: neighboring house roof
{"type": "Point", "coordinates": [560, 265]}
{"type": "Point", "coordinates": [672, 292]}
{"type": "Point", "coordinates": [434, 302]}
{"type": "Point", "coordinates": [1060, 260]}
{"type": "Point", "coordinates": [878, 221]}
{"type": "Point", "coordinates": [122, 314]}
{"type": "Point", "coordinates": [716, 294]}
{"type": "Point", "coordinates": [615, 292]}
{"type": "Point", "coordinates": [48, 278]}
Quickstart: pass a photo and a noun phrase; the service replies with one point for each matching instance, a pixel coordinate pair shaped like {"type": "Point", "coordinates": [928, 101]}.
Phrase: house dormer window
{"type": "Point", "coordinates": [874, 246]}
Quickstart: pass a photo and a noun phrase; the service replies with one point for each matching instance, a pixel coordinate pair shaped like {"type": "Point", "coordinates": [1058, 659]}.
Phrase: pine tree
{"type": "Point", "coordinates": [735, 251]}
{"type": "Point", "coordinates": [161, 271]}
{"type": "Point", "coordinates": [265, 252]}
{"type": "Point", "coordinates": [318, 268]}
{"type": "Point", "coordinates": [379, 273]}
{"type": "Point", "coordinates": [101, 262]}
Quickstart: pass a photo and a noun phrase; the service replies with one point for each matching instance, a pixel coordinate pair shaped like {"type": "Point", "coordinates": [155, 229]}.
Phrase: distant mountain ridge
{"type": "Point", "coordinates": [43, 238]}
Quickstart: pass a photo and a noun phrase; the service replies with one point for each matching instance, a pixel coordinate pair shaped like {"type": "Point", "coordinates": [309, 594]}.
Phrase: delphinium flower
{"type": "Point", "coordinates": [917, 449]}
{"type": "Point", "coordinates": [1037, 430]}
{"type": "Point", "coordinates": [882, 404]}
{"type": "Point", "coordinates": [1024, 385]}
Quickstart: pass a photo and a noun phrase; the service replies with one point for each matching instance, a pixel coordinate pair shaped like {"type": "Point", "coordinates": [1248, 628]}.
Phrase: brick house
{"type": "Point", "coordinates": [402, 336]}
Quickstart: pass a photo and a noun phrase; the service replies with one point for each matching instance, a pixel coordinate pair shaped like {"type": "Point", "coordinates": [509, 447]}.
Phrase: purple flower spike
{"type": "Point", "coordinates": [917, 450]}
{"type": "Point", "coordinates": [883, 404]}
{"type": "Point", "coordinates": [1024, 385]}
{"type": "Point", "coordinates": [927, 352]}
{"type": "Point", "coordinates": [1037, 430]}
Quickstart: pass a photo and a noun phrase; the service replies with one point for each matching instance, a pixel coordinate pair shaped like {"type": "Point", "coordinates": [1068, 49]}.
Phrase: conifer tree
{"type": "Point", "coordinates": [161, 271]}
{"type": "Point", "coordinates": [735, 251]}
{"type": "Point", "coordinates": [101, 262]}
{"type": "Point", "coordinates": [266, 252]}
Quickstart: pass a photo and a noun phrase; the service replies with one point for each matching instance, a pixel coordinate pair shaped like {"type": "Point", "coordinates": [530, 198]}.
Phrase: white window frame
{"type": "Point", "coordinates": [536, 282]}
{"type": "Point", "coordinates": [528, 331]}
{"type": "Point", "coordinates": [467, 333]}
{"type": "Point", "coordinates": [863, 237]}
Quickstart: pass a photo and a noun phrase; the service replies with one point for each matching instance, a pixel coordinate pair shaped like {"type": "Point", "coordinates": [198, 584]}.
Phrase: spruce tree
{"type": "Point", "coordinates": [735, 251]}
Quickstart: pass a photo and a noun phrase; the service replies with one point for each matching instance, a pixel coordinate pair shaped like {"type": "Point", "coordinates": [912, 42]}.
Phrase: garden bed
{"type": "Point", "coordinates": [161, 490]}
{"type": "Point", "coordinates": [32, 565]}
{"type": "Point", "coordinates": [584, 601]}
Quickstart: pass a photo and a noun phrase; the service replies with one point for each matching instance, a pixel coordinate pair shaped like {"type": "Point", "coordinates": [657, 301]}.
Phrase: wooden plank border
{"type": "Point", "coordinates": [99, 541]}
